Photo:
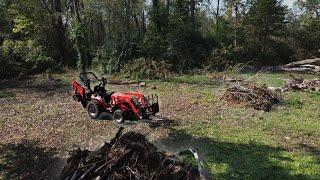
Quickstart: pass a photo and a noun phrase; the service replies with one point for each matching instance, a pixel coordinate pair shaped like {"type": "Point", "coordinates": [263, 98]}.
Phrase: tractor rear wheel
{"type": "Point", "coordinates": [119, 116]}
{"type": "Point", "coordinates": [105, 116]}
{"type": "Point", "coordinates": [94, 109]}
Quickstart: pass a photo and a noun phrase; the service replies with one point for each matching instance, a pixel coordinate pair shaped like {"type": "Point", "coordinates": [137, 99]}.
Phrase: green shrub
{"type": "Point", "coordinates": [106, 60]}
{"type": "Point", "coordinates": [147, 69]}
{"type": "Point", "coordinates": [216, 61]}
{"type": "Point", "coordinates": [23, 57]}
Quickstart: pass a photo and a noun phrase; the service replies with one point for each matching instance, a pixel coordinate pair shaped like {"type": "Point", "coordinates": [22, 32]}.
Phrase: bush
{"type": "Point", "coordinates": [23, 57]}
{"type": "Point", "coordinates": [106, 60]}
{"type": "Point", "coordinates": [147, 69]}
{"type": "Point", "coordinates": [217, 60]}
{"type": "Point", "coordinates": [114, 54]}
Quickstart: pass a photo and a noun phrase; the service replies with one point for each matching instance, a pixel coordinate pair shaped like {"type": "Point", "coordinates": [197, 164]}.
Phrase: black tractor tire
{"type": "Point", "coordinates": [94, 109]}
{"type": "Point", "coordinates": [105, 116]}
{"type": "Point", "coordinates": [119, 116]}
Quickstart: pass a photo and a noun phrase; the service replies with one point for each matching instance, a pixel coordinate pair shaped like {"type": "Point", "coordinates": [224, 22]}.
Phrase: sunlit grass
{"type": "Point", "coordinates": [248, 144]}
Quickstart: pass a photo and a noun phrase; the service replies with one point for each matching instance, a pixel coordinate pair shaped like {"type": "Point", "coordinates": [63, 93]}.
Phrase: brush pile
{"type": "Point", "coordinates": [300, 84]}
{"type": "Point", "coordinates": [127, 156]}
{"type": "Point", "coordinates": [143, 68]}
{"type": "Point", "coordinates": [251, 95]}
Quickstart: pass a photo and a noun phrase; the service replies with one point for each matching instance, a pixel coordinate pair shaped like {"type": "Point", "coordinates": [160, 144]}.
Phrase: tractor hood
{"type": "Point", "coordinates": [128, 95]}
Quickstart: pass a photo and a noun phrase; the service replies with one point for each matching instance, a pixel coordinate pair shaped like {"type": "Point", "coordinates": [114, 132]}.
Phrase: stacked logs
{"type": "Point", "coordinates": [307, 66]}
{"type": "Point", "coordinates": [127, 156]}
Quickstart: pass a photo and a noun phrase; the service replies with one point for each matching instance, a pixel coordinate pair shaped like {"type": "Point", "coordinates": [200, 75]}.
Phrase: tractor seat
{"type": "Point", "coordinates": [110, 93]}
{"type": "Point", "coordinates": [107, 97]}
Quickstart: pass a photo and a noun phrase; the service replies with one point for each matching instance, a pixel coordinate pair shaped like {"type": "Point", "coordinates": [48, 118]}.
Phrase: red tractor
{"type": "Point", "coordinates": [114, 105]}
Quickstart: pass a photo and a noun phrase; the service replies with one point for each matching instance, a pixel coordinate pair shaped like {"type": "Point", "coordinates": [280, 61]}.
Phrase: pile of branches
{"type": "Point", "coordinates": [143, 68]}
{"type": "Point", "coordinates": [251, 95]}
{"type": "Point", "coordinates": [300, 84]}
{"type": "Point", "coordinates": [307, 66]}
{"type": "Point", "coordinates": [127, 156]}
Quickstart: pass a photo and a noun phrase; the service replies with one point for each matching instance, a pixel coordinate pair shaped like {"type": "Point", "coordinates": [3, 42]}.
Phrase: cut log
{"type": "Point", "coordinates": [309, 66]}
{"type": "Point", "coordinates": [301, 69]}
{"type": "Point", "coordinates": [315, 61]}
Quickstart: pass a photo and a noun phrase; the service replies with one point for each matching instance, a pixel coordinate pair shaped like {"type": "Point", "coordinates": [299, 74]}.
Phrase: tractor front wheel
{"type": "Point", "coordinates": [119, 116]}
{"type": "Point", "coordinates": [94, 109]}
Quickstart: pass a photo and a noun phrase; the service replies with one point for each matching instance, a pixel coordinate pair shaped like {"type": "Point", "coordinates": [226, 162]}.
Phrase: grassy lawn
{"type": "Point", "coordinates": [235, 143]}
{"type": "Point", "coordinates": [247, 144]}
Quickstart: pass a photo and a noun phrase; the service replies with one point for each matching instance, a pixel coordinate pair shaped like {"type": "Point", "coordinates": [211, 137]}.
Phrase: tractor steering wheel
{"type": "Point", "coordinates": [104, 81]}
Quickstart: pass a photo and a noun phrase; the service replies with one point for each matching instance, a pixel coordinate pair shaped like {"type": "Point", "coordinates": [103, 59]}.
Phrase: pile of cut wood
{"type": "Point", "coordinates": [307, 66]}
{"type": "Point", "coordinates": [300, 84]}
{"type": "Point", "coordinates": [127, 156]}
{"type": "Point", "coordinates": [252, 95]}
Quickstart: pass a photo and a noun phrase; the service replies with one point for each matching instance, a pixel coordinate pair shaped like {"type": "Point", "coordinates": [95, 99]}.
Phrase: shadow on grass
{"type": "Point", "coordinates": [152, 123]}
{"type": "Point", "coordinates": [34, 85]}
{"type": "Point", "coordinates": [228, 160]}
{"type": "Point", "coordinates": [4, 94]}
{"type": "Point", "coordinates": [25, 160]}
{"type": "Point", "coordinates": [311, 150]}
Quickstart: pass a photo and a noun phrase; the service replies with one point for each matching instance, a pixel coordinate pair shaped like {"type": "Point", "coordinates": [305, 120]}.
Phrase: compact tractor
{"type": "Point", "coordinates": [114, 105]}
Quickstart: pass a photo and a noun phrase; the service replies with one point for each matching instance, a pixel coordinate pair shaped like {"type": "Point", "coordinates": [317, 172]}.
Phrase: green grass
{"type": "Point", "coordinates": [239, 143]}
{"type": "Point", "coordinates": [272, 79]}
{"type": "Point", "coordinates": [6, 94]}
{"type": "Point", "coordinates": [246, 153]}
{"type": "Point", "coordinates": [192, 79]}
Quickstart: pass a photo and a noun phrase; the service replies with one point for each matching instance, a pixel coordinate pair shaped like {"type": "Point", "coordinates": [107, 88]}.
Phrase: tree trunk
{"type": "Point", "coordinates": [217, 14]}
{"type": "Point", "coordinates": [218, 10]}
{"type": "Point", "coordinates": [76, 8]}
{"type": "Point", "coordinates": [81, 44]}
{"type": "Point", "coordinates": [155, 4]}
{"type": "Point", "coordinates": [143, 23]}
{"type": "Point", "coordinates": [193, 9]}
{"type": "Point", "coordinates": [59, 39]}
{"type": "Point", "coordinates": [236, 25]}
{"type": "Point", "coordinates": [155, 9]}
{"type": "Point", "coordinates": [167, 3]}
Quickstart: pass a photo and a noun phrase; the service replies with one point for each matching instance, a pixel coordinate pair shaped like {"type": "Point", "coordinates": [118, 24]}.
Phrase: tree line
{"type": "Point", "coordinates": [40, 35]}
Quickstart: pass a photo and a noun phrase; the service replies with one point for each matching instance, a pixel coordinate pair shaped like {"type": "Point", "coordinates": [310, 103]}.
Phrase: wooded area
{"type": "Point", "coordinates": [107, 35]}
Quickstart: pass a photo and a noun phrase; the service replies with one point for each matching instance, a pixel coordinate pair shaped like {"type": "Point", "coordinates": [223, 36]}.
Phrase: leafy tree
{"type": "Point", "coordinates": [309, 31]}
{"type": "Point", "coordinates": [265, 26]}
{"type": "Point", "coordinates": [187, 34]}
